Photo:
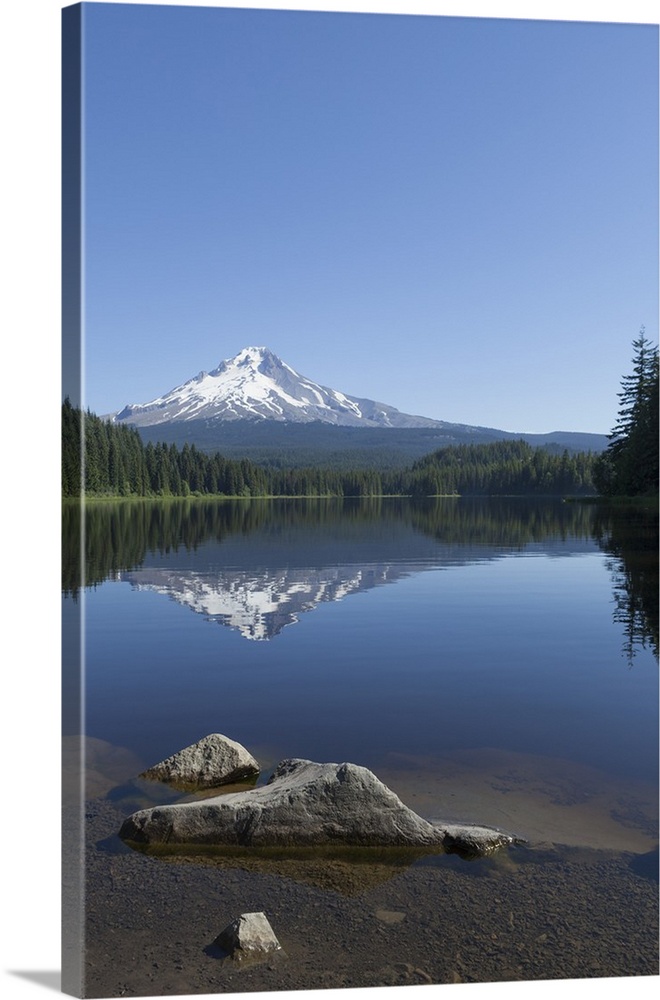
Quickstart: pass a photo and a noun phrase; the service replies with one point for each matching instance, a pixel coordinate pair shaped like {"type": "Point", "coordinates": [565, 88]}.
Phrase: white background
{"type": "Point", "coordinates": [30, 398]}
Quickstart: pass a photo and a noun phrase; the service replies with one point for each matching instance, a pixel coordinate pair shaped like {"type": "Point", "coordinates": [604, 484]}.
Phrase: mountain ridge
{"type": "Point", "coordinates": [256, 405]}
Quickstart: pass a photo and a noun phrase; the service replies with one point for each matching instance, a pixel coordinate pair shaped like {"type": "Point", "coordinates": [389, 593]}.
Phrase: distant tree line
{"type": "Point", "coordinates": [629, 465]}
{"type": "Point", "coordinates": [104, 459]}
{"type": "Point", "coordinates": [502, 468]}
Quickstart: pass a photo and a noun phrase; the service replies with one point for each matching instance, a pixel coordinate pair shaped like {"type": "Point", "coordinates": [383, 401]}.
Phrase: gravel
{"type": "Point", "coordinates": [348, 921]}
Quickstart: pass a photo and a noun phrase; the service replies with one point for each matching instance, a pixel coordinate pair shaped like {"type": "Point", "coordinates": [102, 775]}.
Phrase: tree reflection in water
{"type": "Point", "coordinates": [118, 536]}
{"type": "Point", "coordinates": [629, 534]}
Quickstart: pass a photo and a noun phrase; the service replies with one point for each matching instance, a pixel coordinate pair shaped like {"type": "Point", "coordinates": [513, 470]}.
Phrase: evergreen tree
{"type": "Point", "coordinates": [72, 483]}
{"type": "Point", "coordinates": [629, 466]}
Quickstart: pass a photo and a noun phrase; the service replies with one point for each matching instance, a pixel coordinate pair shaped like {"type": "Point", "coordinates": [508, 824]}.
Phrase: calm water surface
{"type": "Point", "coordinates": [416, 639]}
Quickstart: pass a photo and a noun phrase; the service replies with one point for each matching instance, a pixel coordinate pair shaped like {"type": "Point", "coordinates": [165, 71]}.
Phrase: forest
{"type": "Point", "coordinates": [101, 459]}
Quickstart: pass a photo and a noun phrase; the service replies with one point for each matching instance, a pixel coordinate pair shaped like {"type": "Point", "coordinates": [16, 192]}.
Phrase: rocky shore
{"type": "Point", "coordinates": [517, 915]}
{"type": "Point", "coordinates": [353, 916]}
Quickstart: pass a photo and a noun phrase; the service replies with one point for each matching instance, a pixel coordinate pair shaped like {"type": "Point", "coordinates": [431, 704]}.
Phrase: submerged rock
{"type": "Point", "coordinates": [249, 937]}
{"type": "Point", "coordinates": [213, 761]}
{"type": "Point", "coordinates": [306, 804]}
{"type": "Point", "coordinates": [474, 841]}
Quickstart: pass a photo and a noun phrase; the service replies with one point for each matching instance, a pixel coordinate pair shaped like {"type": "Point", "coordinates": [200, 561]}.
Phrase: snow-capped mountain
{"type": "Point", "coordinates": [257, 385]}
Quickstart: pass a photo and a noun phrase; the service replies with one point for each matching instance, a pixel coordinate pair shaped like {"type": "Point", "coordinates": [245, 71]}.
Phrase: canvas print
{"type": "Point", "coordinates": [359, 478]}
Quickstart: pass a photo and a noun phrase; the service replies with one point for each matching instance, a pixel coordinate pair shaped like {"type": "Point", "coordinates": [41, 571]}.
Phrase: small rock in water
{"type": "Point", "coordinates": [390, 916]}
{"type": "Point", "coordinates": [472, 841]}
{"type": "Point", "coordinates": [212, 761]}
{"type": "Point", "coordinates": [250, 936]}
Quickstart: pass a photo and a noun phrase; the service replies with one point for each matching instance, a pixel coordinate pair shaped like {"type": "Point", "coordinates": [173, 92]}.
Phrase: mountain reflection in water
{"type": "Point", "coordinates": [260, 603]}
{"type": "Point", "coordinates": [256, 566]}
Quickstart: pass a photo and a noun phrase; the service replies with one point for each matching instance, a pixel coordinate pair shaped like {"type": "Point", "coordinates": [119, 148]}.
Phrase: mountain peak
{"type": "Point", "coordinates": [250, 358]}
{"type": "Point", "coordinates": [251, 355]}
{"type": "Point", "coordinates": [257, 385]}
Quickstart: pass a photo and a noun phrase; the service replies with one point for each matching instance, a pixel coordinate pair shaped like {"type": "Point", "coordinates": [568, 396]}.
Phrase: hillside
{"type": "Point", "coordinates": [319, 445]}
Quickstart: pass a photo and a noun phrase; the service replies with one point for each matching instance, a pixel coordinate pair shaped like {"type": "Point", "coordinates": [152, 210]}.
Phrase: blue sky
{"type": "Point", "coordinates": [456, 216]}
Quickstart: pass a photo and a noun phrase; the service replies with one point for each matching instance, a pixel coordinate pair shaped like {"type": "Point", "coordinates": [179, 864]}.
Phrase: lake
{"type": "Point", "coordinates": [492, 661]}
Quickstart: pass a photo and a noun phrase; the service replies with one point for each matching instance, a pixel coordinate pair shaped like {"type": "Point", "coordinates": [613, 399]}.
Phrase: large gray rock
{"type": "Point", "coordinates": [305, 804]}
{"type": "Point", "coordinates": [249, 938]}
{"type": "Point", "coordinates": [213, 761]}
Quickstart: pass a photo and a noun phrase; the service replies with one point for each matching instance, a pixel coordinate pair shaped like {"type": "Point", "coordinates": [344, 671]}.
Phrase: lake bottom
{"type": "Point", "coordinates": [579, 900]}
{"type": "Point", "coordinates": [522, 915]}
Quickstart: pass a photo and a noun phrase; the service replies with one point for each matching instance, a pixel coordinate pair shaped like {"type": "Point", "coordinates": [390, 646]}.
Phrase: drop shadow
{"type": "Point", "coordinates": [50, 980]}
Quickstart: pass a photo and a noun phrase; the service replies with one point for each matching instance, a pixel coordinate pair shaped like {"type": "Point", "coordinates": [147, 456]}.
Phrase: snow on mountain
{"type": "Point", "coordinates": [257, 385]}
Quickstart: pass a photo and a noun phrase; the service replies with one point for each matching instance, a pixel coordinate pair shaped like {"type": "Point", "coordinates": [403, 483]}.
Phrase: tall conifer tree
{"type": "Point", "coordinates": [629, 466]}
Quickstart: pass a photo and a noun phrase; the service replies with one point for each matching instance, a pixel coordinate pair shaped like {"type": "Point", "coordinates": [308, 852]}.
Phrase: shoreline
{"type": "Point", "coordinates": [547, 912]}
{"type": "Point", "coordinates": [94, 498]}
